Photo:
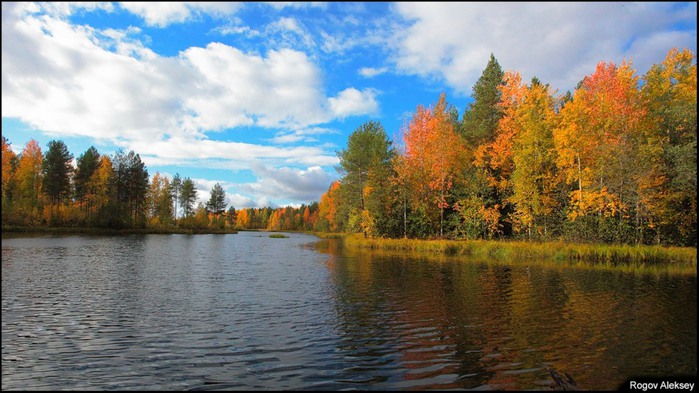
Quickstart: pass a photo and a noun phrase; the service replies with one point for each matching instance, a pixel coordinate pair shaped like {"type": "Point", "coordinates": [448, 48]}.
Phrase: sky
{"type": "Point", "coordinates": [260, 97]}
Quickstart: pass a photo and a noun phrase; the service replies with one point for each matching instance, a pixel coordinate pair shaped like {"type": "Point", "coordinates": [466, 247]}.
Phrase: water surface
{"type": "Point", "coordinates": [244, 311]}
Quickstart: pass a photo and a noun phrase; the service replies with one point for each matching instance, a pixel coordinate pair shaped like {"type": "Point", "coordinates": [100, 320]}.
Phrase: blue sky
{"type": "Point", "coordinates": [258, 97]}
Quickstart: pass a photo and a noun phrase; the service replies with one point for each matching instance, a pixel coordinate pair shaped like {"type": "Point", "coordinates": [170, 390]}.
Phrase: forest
{"type": "Point", "coordinates": [614, 161]}
{"type": "Point", "coordinates": [101, 191]}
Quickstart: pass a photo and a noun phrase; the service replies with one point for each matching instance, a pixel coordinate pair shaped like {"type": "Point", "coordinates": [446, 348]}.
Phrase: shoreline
{"type": "Point", "coordinates": [556, 251]}
{"type": "Point", "coordinates": [111, 231]}
{"type": "Point", "coordinates": [494, 249]}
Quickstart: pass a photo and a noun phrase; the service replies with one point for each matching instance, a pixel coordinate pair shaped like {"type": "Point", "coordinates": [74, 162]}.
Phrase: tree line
{"type": "Point", "coordinates": [612, 162]}
{"type": "Point", "coordinates": [615, 161]}
{"type": "Point", "coordinates": [116, 191]}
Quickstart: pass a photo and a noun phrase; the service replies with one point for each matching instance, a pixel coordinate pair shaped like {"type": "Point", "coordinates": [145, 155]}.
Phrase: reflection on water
{"type": "Point", "coordinates": [468, 324]}
{"type": "Point", "coordinates": [236, 312]}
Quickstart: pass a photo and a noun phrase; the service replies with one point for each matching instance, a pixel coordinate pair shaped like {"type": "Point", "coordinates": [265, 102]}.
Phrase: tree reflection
{"type": "Point", "coordinates": [436, 322]}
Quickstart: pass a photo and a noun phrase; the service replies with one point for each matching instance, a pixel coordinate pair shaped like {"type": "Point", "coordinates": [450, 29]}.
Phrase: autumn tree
{"type": "Point", "coordinates": [534, 177]}
{"type": "Point", "coordinates": [478, 203]}
{"type": "Point", "coordinates": [243, 219]}
{"type": "Point", "coordinates": [667, 160]}
{"type": "Point", "coordinates": [431, 162]}
{"type": "Point", "coordinates": [276, 220]}
{"type": "Point", "coordinates": [595, 148]}
{"type": "Point", "coordinates": [201, 217]}
{"type": "Point", "coordinates": [160, 201]}
{"type": "Point", "coordinates": [494, 159]}
{"type": "Point", "coordinates": [327, 210]}
{"type": "Point", "coordinates": [29, 180]}
{"type": "Point", "coordinates": [101, 196]}
{"type": "Point", "coordinates": [9, 166]}
{"type": "Point", "coordinates": [307, 224]}
{"type": "Point", "coordinates": [231, 216]}
{"type": "Point", "coordinates": [259, 218]}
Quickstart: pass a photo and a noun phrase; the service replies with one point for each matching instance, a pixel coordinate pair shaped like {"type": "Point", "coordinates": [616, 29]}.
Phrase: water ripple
{"type": "Point", "coordinates": [241, 312]}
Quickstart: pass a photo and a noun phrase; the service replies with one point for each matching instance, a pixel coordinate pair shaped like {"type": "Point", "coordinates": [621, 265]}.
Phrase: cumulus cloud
{"type": "Point", "coordinates": [69, 84]}
{"type": "Point", "coordinates": [282, 88]}
{"type": "Point", "coordinates": [559, 43]}
{"type": "Point", "coordinates": [298, 185]}
{"type": "Point", "coordinates": [354, 102]}
{"type": "Point", "coordinates": [239, 201]}
{"type": "Point", "coordinates": [105, 84]}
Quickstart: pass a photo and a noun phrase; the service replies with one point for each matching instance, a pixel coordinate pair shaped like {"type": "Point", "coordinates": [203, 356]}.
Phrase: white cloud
{"type": "Point", "coordinates": [292, 32]}
{"type": "Point", "coordinates": [204, 187]}
{"type": "Point", "coordinates": [78, 81]}
{"type": "Point", "coordinates": [298, 185]}
{"type": "Point", "coordinates": [69, 84]}
{"type": "Point", "coordinates": [242, 202]}
{"type": "Point", "coordinates": [559, 43]}
{"type": "Point", "coordinates": [370, 72]}
{"type": "Point", "coordinates": [301, 135]}
{"type": "Point", "coordinates": [162, 14]}
{"type": "Point", "coordinates": [297, 4]}
{"type": "Point", "coordinates": [236, 28]}
{"type": "Point", "coordinates": [65, 8]}
{"type": "Point", "coordinates": [236, 155]}
{"type": "Point", "coordinates": [283, 88]}
{"type": "Point", "coordinates": [351, 102]}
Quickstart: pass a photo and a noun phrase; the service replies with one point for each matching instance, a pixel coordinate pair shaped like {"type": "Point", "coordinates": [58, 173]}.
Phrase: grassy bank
{"type": "Point", "coordinates": [109, 231]}
{"type": "Point", "coordinates": [558, 251]}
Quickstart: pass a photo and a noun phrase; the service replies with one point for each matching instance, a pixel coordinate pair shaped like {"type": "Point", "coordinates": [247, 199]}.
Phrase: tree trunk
{"type": "Point", "coordinates": [405, 218]}
{"type": "Point", "coordinates": [579, 181]}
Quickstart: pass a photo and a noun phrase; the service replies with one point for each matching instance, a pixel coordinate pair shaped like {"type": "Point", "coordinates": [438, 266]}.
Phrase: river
{"type": "Point", "coordinates": [249, 312]}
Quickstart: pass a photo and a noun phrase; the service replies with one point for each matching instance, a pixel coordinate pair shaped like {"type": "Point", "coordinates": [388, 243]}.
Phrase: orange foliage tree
{"type": "Point", "coordinates": [495, 159]}
{"type": "Point", "coordinates": [327, 208]}
{"type": "Point", "coordinates": [99, 191]}
{"type": "Point", "coordinates": [8, 167]}
{"type": "Point", "coordinates": [431, 162]}
{"type": "Point", "coordinates": [159, 200]}
{"type": "Point", "coordinates": [28, 176]}
{"type": "Point", "coordinates": [595, 141]}
{"type": "Point", "coordinates": [242, 221]}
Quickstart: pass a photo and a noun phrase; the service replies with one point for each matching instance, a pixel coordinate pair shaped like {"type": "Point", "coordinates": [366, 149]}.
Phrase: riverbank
{"type": "Point", "coordinates": [111, 231]}
{"type": "Point", "coordinates": [557, 251]}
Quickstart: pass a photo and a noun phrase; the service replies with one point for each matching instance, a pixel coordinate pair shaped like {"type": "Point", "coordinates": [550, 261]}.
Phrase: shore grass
{"type": "Point", "coordinates": [110, 231]}
{"type": "Point", "coordinates": [328, 235]}
{"type": "Point", "coordinates": [278, 236]}
{"type": "Point", "coordinates": [557, 251]}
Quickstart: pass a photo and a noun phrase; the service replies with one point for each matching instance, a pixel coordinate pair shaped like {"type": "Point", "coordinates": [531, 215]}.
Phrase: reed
{"type": "Point", "coordinates": [558, 251]}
